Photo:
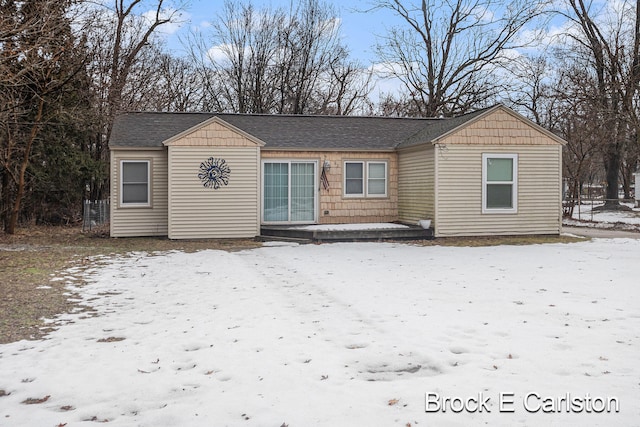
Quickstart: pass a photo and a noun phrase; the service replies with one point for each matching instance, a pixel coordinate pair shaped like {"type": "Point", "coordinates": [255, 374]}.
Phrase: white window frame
{"type": "Point", "coordinates": [386, 178]}
{"type": "Point", "coordinates": [365, 179]}
{"type": "Point", "coordinates": [315, 197]}
{"type": "Point", "coordinates": [124, 204]}
{"type": "Point", "coordinates": [514, 184]}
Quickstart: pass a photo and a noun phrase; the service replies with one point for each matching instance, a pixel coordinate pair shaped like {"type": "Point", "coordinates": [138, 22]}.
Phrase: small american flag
{"type": "Point", "coordinates": [323, 178]}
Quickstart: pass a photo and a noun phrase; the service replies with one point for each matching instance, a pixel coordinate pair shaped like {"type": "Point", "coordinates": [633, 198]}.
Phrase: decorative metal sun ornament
{"type": "Point", "coordinates": [214, 173]}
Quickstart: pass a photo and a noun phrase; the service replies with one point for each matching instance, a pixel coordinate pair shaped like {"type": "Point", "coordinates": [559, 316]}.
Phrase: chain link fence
{"type": "Point", "coordinates": [95, 214]}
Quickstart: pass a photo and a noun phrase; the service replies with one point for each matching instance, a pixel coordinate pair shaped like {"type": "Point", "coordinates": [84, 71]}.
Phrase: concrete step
{"type": "Point", "coordinates": [263, 238]}
{"type": "Point", "coordinates": [411, 233]}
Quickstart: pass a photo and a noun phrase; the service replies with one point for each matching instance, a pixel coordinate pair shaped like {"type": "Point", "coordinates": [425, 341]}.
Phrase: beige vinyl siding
{"type": "Point", "coordinates": [140, 221]}
{"type": "Point", "coordinates": [459, 197]}
{"type": "Point", "coordinates": [232, 211]}
{"type": "Point", "coordinates": [416, 187]}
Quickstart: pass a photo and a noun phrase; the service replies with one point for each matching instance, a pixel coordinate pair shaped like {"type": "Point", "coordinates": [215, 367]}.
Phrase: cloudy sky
{"type": "Point", "coordinates": [359, 23]}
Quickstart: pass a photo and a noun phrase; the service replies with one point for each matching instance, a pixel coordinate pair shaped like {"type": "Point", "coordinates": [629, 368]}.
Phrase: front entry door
{"type": "Point", "coordinates": [289, 192]}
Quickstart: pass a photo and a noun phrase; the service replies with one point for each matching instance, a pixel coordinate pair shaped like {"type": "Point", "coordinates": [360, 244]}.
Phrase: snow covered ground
{"type": "Point", "coordinates": [349, 334]}
{"type": "Point", "coordinates": [605, 219]}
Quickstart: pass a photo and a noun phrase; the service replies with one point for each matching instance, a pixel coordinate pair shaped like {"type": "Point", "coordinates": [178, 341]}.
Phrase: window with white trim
{"type": "Point", "coordinates": [354, 179]}
{"type": "Point", "coordinates": [376, 179]}
{"type": "Point", "coordinates": [365, 179]}
{"type": "Point", "coordinates": [135, 183]}
{"type": "Point", "coordinates": [499, 183]}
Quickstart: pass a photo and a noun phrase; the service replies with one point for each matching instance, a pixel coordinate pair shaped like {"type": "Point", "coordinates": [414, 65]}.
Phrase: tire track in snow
{"type": "Point", "coordinates": [361, 340]}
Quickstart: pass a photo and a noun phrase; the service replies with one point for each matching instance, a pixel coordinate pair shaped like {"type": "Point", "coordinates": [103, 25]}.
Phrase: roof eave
{"type": "Point", "coordinates": [136, 148]}
{"type": "Point", "coordinates": [415, 145]}
{"type": "Point", "coordinates": [320, 149]}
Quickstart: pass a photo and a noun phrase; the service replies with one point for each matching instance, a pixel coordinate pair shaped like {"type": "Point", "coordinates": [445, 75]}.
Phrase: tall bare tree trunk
{"type": "Point", "coordinates": [612, 163]}
{"type": "Point", "coordinates": [12, 223]}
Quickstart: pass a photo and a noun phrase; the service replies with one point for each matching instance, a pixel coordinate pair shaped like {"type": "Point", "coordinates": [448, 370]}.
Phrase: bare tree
{"type": "Point", "coordinates": [396, 105]}
{"type": "Point", "coordinates": [447, 52]}
{"type": "Point", "coordinates": [118, 36]}
{"type": "Point", "coordinates": [237, 68]}
{"type": "Point", "coordinates": [579, 124]}
{"type": "Point", "coordinates": [278, 61]}
{"type": "Point", "coordinates": [37, 60]}
{"type": "Point", "coordinates": [310, 43]}
{"type": "Point", "coordinates": [176, 85]}
{"type": "Point", "coordinates": [530, 89]}
{"type": "Point", "coordinates": [346, 90]}
{"type": "Point", "coordinates": [609, 49]}
{"type": "Point", "coordinates": [630, 164]}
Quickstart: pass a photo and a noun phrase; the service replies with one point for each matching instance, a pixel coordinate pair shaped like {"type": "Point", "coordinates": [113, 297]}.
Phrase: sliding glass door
{"type": "Point", "coordinates": [289, 191]}
{"type": "Point", "coordinates": [276, 192]}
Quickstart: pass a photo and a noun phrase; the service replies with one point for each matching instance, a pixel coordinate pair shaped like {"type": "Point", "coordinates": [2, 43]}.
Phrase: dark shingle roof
{"type": "Point", "coordinates": [149, 129]}
{"type": "Point", "coordinates": [327, 132]}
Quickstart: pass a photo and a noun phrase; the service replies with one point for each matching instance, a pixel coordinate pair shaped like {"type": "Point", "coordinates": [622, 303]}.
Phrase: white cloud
{"type": "Point", "coordinates": [485, 15]}
{"type": "Point", "coordinates": [219, 53]}
{"type": "Point", "coordinates": [383, 81]}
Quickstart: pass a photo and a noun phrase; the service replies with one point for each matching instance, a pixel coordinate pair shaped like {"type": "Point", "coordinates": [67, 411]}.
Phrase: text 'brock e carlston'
{"type": "Point", "coordinates": [531, 402]}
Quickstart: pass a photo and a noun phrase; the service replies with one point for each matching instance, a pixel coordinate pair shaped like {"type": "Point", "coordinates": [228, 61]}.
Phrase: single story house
{"type": "Point", "coordinates": [214, 175]}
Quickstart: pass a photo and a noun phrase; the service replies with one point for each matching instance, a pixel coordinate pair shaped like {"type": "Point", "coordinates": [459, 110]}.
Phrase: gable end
{"type": "Point", "coordinates": [213, 132]}
{"type": "Point", "coordinates": [500, 126]}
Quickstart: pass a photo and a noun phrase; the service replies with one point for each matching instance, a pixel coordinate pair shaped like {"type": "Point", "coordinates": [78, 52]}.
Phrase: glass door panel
{"type": "Point", "coordinates": [289, 192]}
{"type": "Point", "coordinates": [302, 191]}
{"type": "Point", "coordinates": [276, 193]}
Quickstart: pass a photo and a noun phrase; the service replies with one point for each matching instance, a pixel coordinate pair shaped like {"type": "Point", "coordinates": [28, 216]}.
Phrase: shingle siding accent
{"type": "Point", "coordinates": [501, 127]}
{"type": "Point", "coordinates": [213, 134]}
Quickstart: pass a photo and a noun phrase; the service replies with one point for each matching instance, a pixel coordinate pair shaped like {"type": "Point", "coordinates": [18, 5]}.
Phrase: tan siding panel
{"type": "Point", "coordinates": [416, 197]}
{"type": "Point", "coordinates": [501, 127]}
{"type": "Point", "coordinates": [460, 192]}
{"type": "Point", "coordinates": [136, 222]}
{"type": "Point", "coordinates": [213, 134]}
{"type": "Point", "coordinates": [231, 211]}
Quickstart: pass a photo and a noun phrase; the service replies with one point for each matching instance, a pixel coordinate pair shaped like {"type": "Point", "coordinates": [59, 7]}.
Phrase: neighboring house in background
{"type": "Point", "coordinates": [210, 175]}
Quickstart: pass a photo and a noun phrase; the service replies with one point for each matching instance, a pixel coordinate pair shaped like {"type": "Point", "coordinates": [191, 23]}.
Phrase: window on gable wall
{"type": "Point", "coordinates": [499, 183]}
{"type": "Point", "coordinates": [135, 185]}
{"type": "Point", "coordinates": [365, 179]}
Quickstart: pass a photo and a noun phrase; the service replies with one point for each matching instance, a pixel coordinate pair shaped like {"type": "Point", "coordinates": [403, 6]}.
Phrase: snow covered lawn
{"type": "Point", "coordinates": [352, 334]}
{"type": "Point", "coordinates": [585, 216]}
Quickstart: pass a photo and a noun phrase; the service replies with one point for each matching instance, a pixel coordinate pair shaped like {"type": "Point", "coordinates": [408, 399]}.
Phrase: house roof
{"type": "Point", "coordinates": [149, 129]}
{"type": "Point", "coordinates": [293, 132]}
